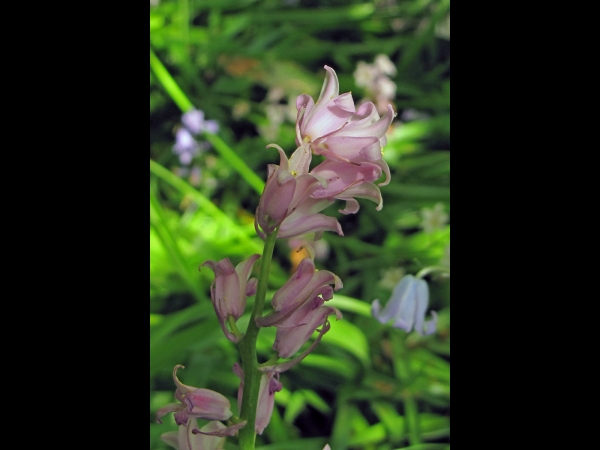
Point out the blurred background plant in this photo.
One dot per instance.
(242, 64)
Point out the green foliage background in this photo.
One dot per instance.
(366, 386)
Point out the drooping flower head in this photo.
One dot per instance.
(407, 307)
(286, 200)
(350, 139)
(304, 286)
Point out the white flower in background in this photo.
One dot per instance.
(434, 219)
(385, 65)
(375, 79)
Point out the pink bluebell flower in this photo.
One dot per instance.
(195, 403)
(294, 331)
(325, 116)
(345, 181)
(303, 287)
(269, 385)
(286, 201)
(229, 289)
(407, 307)
(334, 128)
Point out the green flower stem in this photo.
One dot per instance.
(402, 371)
(173, 89)
(247, 347)
(427, 270)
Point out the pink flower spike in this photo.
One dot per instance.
(230, 288)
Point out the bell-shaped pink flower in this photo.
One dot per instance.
(304, 286)
(269, 384)
(195, 403)
(229, 289)
(294, 331)
(286, 201)
(328, 114)
(345, 181)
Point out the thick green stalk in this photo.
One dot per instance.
(402, 371)
(247, 347)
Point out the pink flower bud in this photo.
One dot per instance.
(230, 288)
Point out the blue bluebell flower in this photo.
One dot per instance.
(194, 121)
(406, 309)
(185, 146)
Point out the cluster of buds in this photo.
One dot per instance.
(351, 140)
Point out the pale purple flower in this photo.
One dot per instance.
(269, 384)
(194, 121)
(286, 201)
(407, 307)
(229, 289)
(185, 146)
(211, 126)
(195, 403)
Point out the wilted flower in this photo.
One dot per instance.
(230, 288)
(269, 384)
(195, 403)
(407, 307)
(185, 439)
(185, 146)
